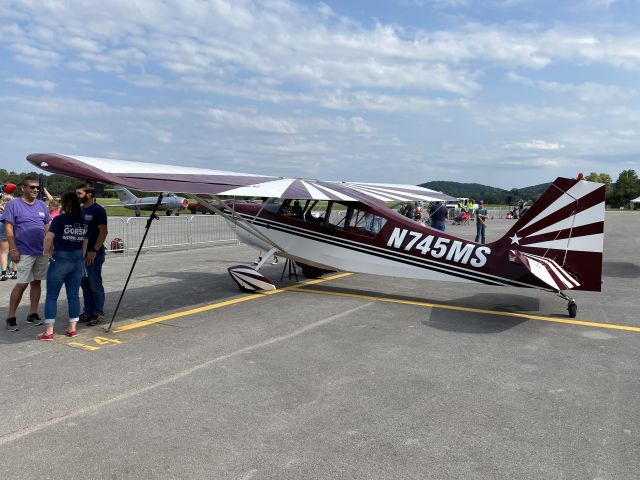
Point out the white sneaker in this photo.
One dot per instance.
(275, 261)
(257, 261)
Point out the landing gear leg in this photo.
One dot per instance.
(572, 306)
(266, 257)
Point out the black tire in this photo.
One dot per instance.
(573, 310)
(137, 214)
(193, 211)
(168, 213)
(311, 272)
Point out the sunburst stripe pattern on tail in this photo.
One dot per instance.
(571, 219)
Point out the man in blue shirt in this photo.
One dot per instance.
(26, 221)
(438, 215)
(92, 290)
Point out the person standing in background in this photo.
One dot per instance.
(438, 215)
(26, 220)
(63, 245)
(481, 217)
(92, 289)
(54, 204)
(4, 244)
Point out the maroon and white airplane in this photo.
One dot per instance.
(557, 246)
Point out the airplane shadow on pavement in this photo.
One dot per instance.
(189, 289)
(621, 270)
(459, 320)
(472, 322)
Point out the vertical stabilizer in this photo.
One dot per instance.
(124, 195)
(560, 239)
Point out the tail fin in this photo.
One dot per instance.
(560, 239)
(124, 194)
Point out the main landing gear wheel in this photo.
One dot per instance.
(168, 213)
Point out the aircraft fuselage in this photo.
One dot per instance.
(380, 241)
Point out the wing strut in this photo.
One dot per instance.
(235, 220)
(151, 218)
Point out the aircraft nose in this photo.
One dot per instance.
(185, 202)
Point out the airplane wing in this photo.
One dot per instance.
(152, 177)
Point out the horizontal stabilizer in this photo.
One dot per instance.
(545, 269)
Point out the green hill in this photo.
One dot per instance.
(491, 195)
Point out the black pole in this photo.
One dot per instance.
(151, 218)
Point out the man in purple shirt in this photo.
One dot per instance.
(26, 221)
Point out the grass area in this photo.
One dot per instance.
(114, 208)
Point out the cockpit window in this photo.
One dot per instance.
(341, 216)
(362, 221)
(272, 205)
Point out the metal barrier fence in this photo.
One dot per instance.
(169, 232)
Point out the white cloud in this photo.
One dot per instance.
(30, 82)
(535, 145)
(591, 92)
(223, 118)
(34, 56)
(243, 121)
(540, 162)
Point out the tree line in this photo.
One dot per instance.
(619, 193)
(55, 184)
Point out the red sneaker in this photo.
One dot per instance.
(45, 336)
(71, 333)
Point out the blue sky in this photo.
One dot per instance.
(507, 93)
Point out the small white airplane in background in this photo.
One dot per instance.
(170, 202)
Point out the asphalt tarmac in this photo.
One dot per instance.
(355, 377)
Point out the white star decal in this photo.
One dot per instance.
(515, 239)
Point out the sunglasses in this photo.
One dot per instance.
(32, 187)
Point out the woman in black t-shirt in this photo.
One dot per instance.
(64, 244)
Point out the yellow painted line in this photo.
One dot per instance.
(468, 309)
(82, 345)
(225, 303)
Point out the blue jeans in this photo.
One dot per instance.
(92, 289)
(67, 271)
(480, 227)
(438, 226)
